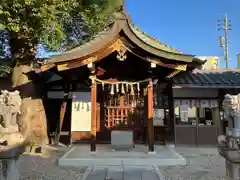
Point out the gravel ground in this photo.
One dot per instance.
(202, 164)
(44, 167)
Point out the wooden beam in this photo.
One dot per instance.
(116, 45)
(173, 66)
(174, 73)
(46, 67)
(93, 115)
(62, 112)
(181, 67)
(150, 117)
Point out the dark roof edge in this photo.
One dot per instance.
(199, 61)
(216, 86)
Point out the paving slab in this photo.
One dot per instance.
(97, 174)
(114, 175)
(132, 174)
(122, 173)
(149, 175)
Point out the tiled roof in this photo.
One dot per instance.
(151, 41)
(209, 78)
(82, 50)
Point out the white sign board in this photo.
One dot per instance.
(184, 113)
(81, 111)
(158, 116)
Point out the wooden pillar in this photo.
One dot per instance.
(150, 117)
(145, 93)
(171, 120)
(62, 112)
(93, 115)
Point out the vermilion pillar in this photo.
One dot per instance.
(93, 115)
(150, 116)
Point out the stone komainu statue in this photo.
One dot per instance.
(10, 105)
(231, 106)
(21, 118)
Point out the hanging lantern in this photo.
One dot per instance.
(132, 90)
(122, 89)
(112, 90)
(117, 87)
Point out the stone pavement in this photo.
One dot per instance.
(202, 164)
(122, 173)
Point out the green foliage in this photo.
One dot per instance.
(38, 20)
(97, 18)
(90, 18)
(56, 24)
(5, 68)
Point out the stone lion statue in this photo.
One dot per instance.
(10, 105)
(231, 104)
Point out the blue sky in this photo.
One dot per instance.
(189, 25)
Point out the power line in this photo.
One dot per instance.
(224, 25)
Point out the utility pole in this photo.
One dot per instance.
(226, 26)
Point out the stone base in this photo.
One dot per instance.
(232, 170)
(152, 152)
(80, 156)
(93, 152)
(9, 170)
(170, 144)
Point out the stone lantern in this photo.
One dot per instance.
(229, 145)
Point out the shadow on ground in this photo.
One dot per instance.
(44, 166)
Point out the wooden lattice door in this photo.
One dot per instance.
(117, 109)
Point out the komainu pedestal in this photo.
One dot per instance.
(12, 143)
(229, 145)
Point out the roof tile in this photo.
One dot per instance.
(209, 78)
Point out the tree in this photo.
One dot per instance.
(55, 24)
(90, 18)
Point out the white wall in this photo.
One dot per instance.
(213, 62)
(195, 92)
(81, 111)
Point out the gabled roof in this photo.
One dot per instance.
(138, 38)
(209, 79)
(152, 41)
